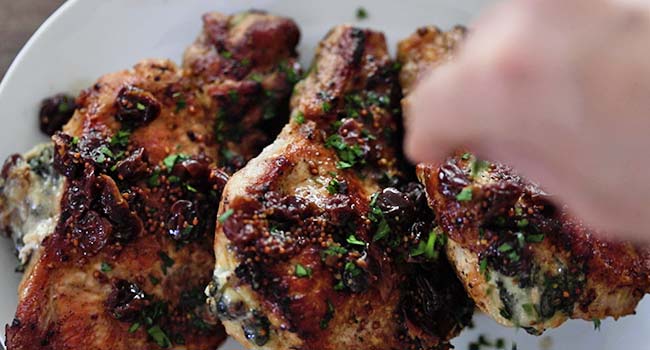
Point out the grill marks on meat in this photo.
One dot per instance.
(132, 250)
(524, 261)
(310, 243)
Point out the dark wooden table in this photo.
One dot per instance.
(18, 21)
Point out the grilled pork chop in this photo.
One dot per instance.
(321, 242)
(525, 261)
(120, 243)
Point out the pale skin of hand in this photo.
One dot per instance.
(560, 91)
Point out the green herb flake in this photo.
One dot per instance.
(299, 118)
(324, 323)
(134, 327)
(335, 250)
(105, 267)
(429, 248)
(121, 138)
(226, 54)
(75, 141)
(352, 239)
(339, 286)
(465, 194)
(537, 238)
(173, 159)
(226, 214)
(327, 107)
(529, 309)
(154, 179)
(154, 280)
(362, 13)
(302, 271)
(383, 230)
(234, 96)
(63, 107)
(334, 186)
(483, 269)
(159, 336)
(466, 156)
(256, 77)
(505, 247)
(167, 262)
(191, 188)
(343, 165)
(522, 223)
(477, 167)
(597, 324)
(140, 106)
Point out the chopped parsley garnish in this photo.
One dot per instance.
(190, 188)
(328, 315)
(349, 155)
(483, 343)
(537, 238)
(154, 280)
(477, 167)
(159, 336)
(522, 223)
(529, 309)
(362, 13)
(256, 77)
(382, 230)
(335, 250)
(134, 327)
(327, 107)
(292, 75)
(334, 186)
(226, 214)
(352, 239)
(173, 159)
(121, 138)
(466, 156)
(483, 269)
(377, 216)
(180, 101)
(302, 271)
(105, 267)
(597, 324)
(226, 54)
(465, 194)
(429, 248)
(154, 179)
(140, 106)
(299, 118)
(167, 262)
(75, 141)
(234, 96)
(343, 165)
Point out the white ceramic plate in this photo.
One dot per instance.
(87, 38)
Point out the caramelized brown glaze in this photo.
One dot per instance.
(132, 252)
(317, 239)
(525, 261)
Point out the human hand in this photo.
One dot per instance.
(559, 90)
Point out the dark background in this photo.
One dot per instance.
(18, 21)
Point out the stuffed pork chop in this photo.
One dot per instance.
(525, 261)
(116, 219)
(321, 241)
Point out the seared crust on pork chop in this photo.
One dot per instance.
(126, 264)
(525, 261)
(322, 243)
